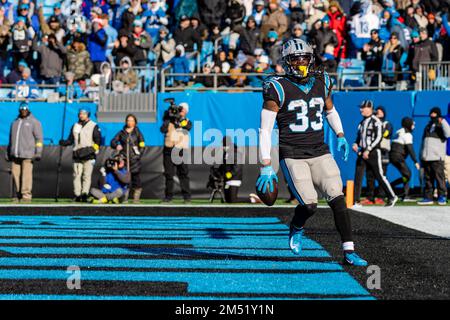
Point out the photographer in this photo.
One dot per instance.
(175, 128)
(130, 142)
(113, 182)
(85, 137)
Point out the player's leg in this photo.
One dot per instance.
(298, 177)
(327, 177)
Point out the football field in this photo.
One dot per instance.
(212, 253)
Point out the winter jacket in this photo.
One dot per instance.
(338, 23)
(249, 40)
(164, 50)
(52, 59)
(25, 138)
(145, 44)
(45, 28)
(320, 38)
(21, 39)
(136, 141)
(120, 52)
(5, 34)
(127, 76)
(393, 61)
(79, 63)
(97, 45)
(115, 180)
(424, 51)
(128, 17)
(434, 141)
(179, 64)
(187, 38)
(374, 56)
(276, 20)
(212, 11)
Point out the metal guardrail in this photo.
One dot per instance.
(46, 93)
(433, 76)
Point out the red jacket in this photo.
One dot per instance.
(338, 23)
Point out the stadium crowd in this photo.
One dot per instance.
(76, 42)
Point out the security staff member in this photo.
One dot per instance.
(402, 146)
(25, 146)
(85, 137)
(367, 145)
(385, 147)
(175, 127)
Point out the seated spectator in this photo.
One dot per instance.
(106, 72)
(126, 78)
(179, 64)
(26, 87)
(52, 56)
(410, 20)
(21, 42)
(113, 182)
(92, 90)
(420, 17)
(274, 19)
(222, 62)
(123, 48)
(205, 80)
(165, 47)
(297, 32)
(78, 60)
(143, 43)
(16, 73)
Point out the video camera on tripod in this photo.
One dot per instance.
(173, 112)
(216, 183)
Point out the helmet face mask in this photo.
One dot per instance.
(297, 58)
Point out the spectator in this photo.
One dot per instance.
(198, 26)
(31, 20)
(394, 57)
(206, 80)
(328, 60)
(165, 47)
(297, 32)
(425, 50)
(97, 44)
(78, 60)
(321, 35)
(420, 17)
(361, 23)
(52, 56)
(259, 12)
(26, 87)
(338, 23)
(113, 182)
(72, 89)
(132, 13)
(21, 42)
(410, 20)
(52, 26)
(372, 52)
(187, 37)
(111, 34)
(92, 90)
(123, 48)
(16, 73)
(274, 19)
(57, 12)
(179, 64)
(211, 11)
(25, 146)
(85, 137)
(297, 15)
(155, 19)
(5, 35)
(432, 25)
(273, 46)
(130, 143)
(433, 156)
(249, 39)
(235, 13)
(315, 10)
(143, 43)
(126, 77)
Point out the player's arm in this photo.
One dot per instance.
(268, 117)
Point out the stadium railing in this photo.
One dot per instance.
(434, 76)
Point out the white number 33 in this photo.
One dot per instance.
(304, 122)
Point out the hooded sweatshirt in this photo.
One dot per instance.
(435, 140)
(26, 138)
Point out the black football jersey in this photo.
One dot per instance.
(300, 118)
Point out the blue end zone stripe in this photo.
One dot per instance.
(290, 182)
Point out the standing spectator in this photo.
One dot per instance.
(338, 23)
(394, 57)
(249, 39)
(5, 35)
(16, 73)
(212, 11)
(315, 10)
(57, 12)
(26, 87)
(78, 60)
(155, 19)
(297, 15)
(123, 48)
(433, 157)
(410, 20)
(372, 54)
(272, 46)
(52, 57)
(323, 35)
(432, 25)
(165, 47)
(259, 12)
(297, 32)
(111, 34)
(187, 37)
(424, 51)
(132, 13)
(402, 146)
(130, 143)
(85, 137)
(31, 20)
(367, 146)
(179, 64)
(53, 25)
(97, 44)
(21, 42)
(25, 146)
(143, 43)
(274, 19)
(198, 26)
(175, 127)
(361, 23)
(420, 17)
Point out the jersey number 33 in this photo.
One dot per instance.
(309, 115)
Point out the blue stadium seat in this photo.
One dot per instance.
(351, 72)
(442, 83)
(4, 93)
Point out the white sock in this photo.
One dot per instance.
(348, 246)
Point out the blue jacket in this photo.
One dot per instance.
(113, 182)
(179, 65)
(97, 43)
(26, 89)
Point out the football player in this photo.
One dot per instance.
(299, 101)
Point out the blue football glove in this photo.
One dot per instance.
(266, 177)
(342, 143)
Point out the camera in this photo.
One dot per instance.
(173, 113)
(110, 163)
